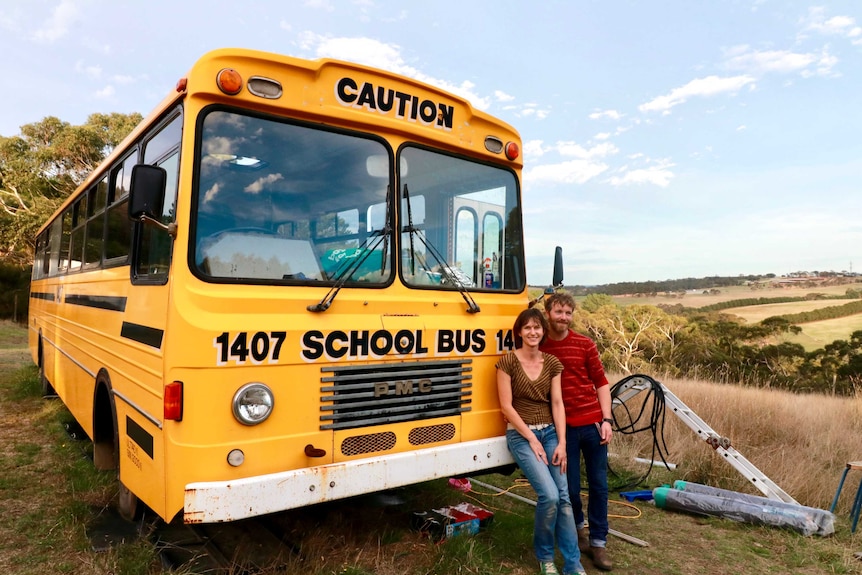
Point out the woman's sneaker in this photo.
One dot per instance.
(548, 568)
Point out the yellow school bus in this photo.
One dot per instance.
(288, 285)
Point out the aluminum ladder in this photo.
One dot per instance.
(722, 445)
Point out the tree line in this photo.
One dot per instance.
(679, 286)
(683, 342)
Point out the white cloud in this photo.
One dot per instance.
(93, 72)
(319, 5)
(123, 79)
(386, 56)
(587, 163)
(835, 26)
(503, 96)
(105, 93)
(529, 110)
(261, 183)
(63, 16)
(659, 175)
(571, 172)
(760, 62)
(533, 149)
(611, 114)
(599, 151)
(699, 87)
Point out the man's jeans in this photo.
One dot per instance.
(586, 440)
(554, 517)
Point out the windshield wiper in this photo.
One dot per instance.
(447, 270)
(345, 273)
(348, 270)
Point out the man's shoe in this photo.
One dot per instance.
(601, 559)
(548, 568)
(583, 540)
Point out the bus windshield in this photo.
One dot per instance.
(277, 202)
(284, 203)
(454, 223)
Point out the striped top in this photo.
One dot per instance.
(583, 374)
(531, 398)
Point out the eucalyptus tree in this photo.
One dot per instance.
(42, 165)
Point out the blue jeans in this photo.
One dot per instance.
(587, 441)
(554, 517)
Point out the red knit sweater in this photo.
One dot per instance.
(582, 375)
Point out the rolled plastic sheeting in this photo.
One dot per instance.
(746, 509)
(824, 520)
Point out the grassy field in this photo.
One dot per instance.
(50, 495)
(756, 313)
(814, 335)
(819, 333)
(700, 299)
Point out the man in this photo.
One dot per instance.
(589, 423)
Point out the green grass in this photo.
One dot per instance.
(817, 334)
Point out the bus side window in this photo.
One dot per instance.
(153, 256)
(118, 240)
(153, 245)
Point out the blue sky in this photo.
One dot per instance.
(662, 139)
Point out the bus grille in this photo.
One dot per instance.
(431, 434)
(368, 443)
(364, 395)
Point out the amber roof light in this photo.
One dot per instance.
(229, 81)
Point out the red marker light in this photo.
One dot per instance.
(512, 150)
(174, 401)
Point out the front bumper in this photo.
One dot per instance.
(217, 501)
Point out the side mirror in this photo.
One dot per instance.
(557, 280)
(147, 192)
(558, 267)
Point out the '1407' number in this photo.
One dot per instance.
(505, 341)
(260, 347)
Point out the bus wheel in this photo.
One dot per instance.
(44, 384)
(127, 503)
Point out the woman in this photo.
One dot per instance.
(528, 383)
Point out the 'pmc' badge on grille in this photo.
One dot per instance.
(403, 387)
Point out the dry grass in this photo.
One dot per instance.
(756, 313)
(697, 298)
(801, 442)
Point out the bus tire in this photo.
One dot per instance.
(128, 505)
(46, 388)
(106, 446)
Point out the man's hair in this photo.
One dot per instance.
(559, 298)
(525, 317)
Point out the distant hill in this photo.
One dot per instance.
(798, 279)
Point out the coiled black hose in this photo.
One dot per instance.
(653, 422)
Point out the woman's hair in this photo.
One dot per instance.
(525, 317)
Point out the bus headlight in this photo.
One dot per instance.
(252, 403)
